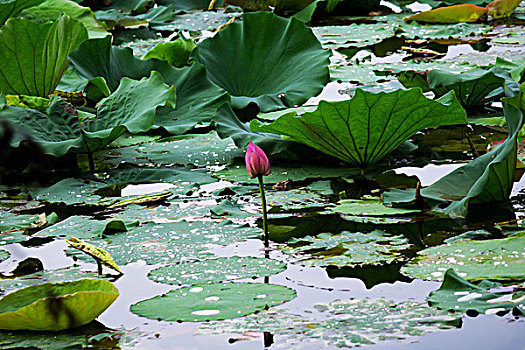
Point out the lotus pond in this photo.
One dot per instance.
(395, 199)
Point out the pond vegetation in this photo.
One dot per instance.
(138, 140)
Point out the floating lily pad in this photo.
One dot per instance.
(293, 199)
(213, 301)
(368, 207)
(56, 306)
(497, 259)
(238, 173)
(348, 248)
(84, 227)
(10, 221)
(458, 295)
(170, 242)
(216, 270)
(349, 323)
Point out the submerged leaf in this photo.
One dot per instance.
(367, 127)
(56, 306)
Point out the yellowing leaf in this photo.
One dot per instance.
(100, 255)
(451, 14)
(502, 8)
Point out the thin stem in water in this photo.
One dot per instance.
(265, 219)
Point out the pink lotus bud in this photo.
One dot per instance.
(257, 163)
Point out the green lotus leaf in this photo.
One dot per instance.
(131, 108)
(12, 8)
(216, 270)
(475, 89)
(56, 306)
(217, 301)
(458, 295)
(294, 67)
(497, 259)
(50, 10)
(197, 98)
(175, 52)
(343, 324)
(369, 126)
(34, 55)
(486, 179)
(348, 248)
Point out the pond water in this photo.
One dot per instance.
(357, 252)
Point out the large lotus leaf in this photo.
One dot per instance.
(56, 306)
(98, 58)
(217, 301)
(458, 295)
(10, 221)
(367, 127)
(34, 55)
(12, 8)
(197, 98)
(348, 248)
(216, 270)
(50, 10)
(238, 173)
(131, 108)
(169, 242)
(499, 259)
(344, 324)
(474, 89)
(265, 56)
(486, 179)
(451, 14)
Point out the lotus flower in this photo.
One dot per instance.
(257, 163)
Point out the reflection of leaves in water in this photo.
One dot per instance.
(94, 334)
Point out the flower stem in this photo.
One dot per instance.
(265, 219)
